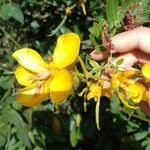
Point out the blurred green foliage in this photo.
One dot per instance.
(28, 23)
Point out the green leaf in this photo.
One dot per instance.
(145, 17)
(96, 30)
(115, 103)
(12, 10)
(28, 115)
(94, 64)
(23, 135)
(2, 141)
(16, 105)
(119, 62)
(126, 4)
(34, 24)
(12, 116)
(79, 133)
(133, 124)
(140, 113)
(4, 129)
(8, 101)
(144, 3)
(113, 13)
(5, 11)
(73, 134)
(141, 135)
(6, 82)
(15, 118)
(147, 147)
(96, 34)
(64, 30)
(17, 13)
(17, 145)
(93, 40)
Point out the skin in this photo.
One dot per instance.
(134, 43)
(134, 47)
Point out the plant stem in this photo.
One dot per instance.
(89, 75)
(98, 78)
(59, 26)
(7, 92)
(10, 37)
(135, 116)
(83, 66)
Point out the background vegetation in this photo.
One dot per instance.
(28, 23)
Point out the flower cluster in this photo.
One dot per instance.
(129, 85)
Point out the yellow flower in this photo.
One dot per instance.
(146, 71)
(41, 78)
(122, 77)
(132, 94)
(95, 91)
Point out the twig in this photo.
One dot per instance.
(7, 92)
(135, 116)
(83, 66)
(10, 37)
(59, 26)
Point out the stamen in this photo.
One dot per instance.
(43, 75)
(38, 88)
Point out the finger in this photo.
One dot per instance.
(137, 38)
(128, 41)
(142, 57)
(129, 59)
(133, 57)
(99, 55)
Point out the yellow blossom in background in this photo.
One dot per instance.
(146, 74)
(122, 77)
(146, 71)
(129, 91)
(42, 79)
(132, 94)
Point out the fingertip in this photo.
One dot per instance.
(99, 55)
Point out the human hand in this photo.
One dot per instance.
(134, 47)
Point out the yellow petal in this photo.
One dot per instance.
(46, 86)
(115, 83)
(97, 113)
(125, 102)
(129, 73)
(30, 60)
(95, 92)
(146, 71)
(116, 80)
(60, 86)
(30, 96)
(90, 95)
(23, 76)
(66, 50)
